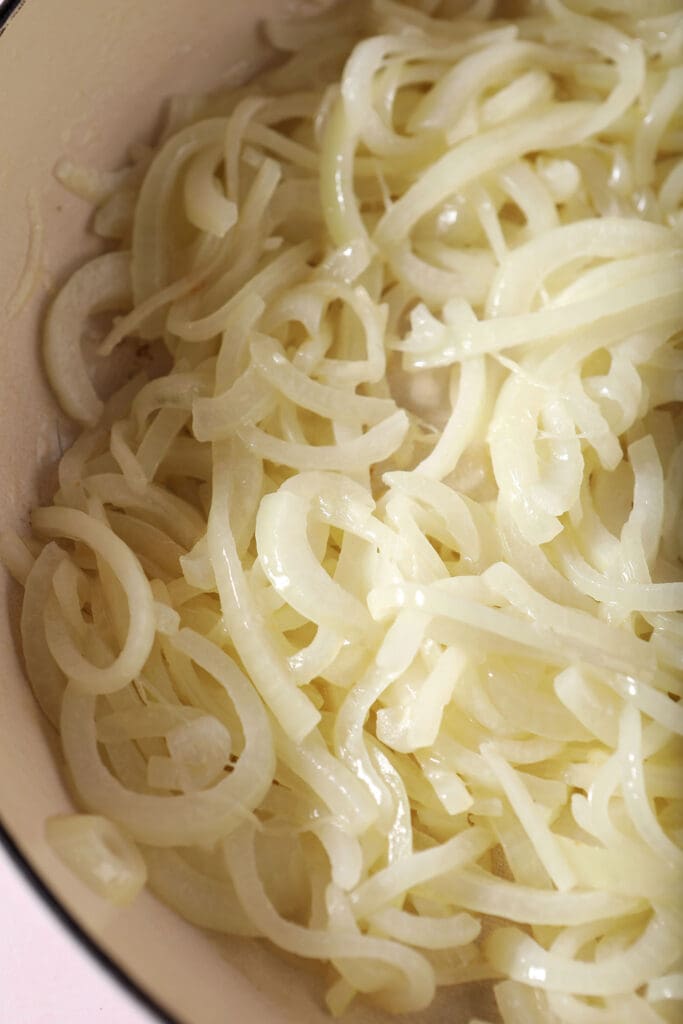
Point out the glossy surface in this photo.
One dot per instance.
(86, 80)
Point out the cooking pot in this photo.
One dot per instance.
(84, 79)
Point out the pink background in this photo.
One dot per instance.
(46, 977)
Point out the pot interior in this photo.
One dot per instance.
(84, 81)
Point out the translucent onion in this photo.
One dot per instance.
(523, 959)
(100, 854)
(76, 525)
(412, 989)
(178, 820)
(102, 285)
(359, 609)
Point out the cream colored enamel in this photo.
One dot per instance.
(86, 78)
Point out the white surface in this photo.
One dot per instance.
(45, 976)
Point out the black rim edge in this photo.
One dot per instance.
(8, 10)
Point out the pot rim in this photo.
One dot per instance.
(9, 9)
